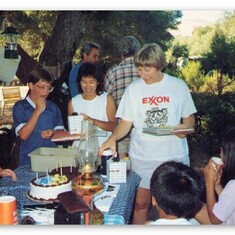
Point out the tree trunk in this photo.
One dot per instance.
(60, 48)
(66, 36)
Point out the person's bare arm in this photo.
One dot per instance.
(70, 108)
(120, 131)
(188, 122)
(28, 128)
(111, 111)
(8, 172)
(202, 216)
(210, 178)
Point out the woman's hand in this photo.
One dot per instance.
(8, 172)
(86, 117)
(211, 173)
(110, 143)
(182, 135)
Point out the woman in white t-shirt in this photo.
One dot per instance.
(156, 100)
(93, 103)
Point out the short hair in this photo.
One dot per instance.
(87, 47)
(150, 55)
(93, 70)
(39, 74)
(128, 46)
(177, 189)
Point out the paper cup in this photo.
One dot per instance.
(51, 219)
(8, 210)
(217, 163)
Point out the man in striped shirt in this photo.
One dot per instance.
(120, 76)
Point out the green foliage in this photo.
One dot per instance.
(213, 116)
(34, 28)
(172, 72)
(214, 47)
(109, 27)
(180, 50)
(217, 83)
(228, 24)
(220, 51)
(193, 74)
(106, 28)
(199, 43)
(177, 48)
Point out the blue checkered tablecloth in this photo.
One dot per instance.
(113, 220)
(121, 207)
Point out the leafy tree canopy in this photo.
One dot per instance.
(104, 27)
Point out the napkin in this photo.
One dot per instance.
(104, 200)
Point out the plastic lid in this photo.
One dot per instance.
(107, 152)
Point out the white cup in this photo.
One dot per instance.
(217, 163)
(50, 219)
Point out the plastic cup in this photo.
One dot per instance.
(217, 163)
(8, 210)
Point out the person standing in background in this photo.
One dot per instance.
(120, 76)
(89, 53)
(155, 100)
(35, 118)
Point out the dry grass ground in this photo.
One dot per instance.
(6, 119)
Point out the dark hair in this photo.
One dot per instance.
(228, 147)
(87, 48)
(93, 70)
(39, 74)
(177, 189)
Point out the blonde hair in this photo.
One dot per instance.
(150, 55)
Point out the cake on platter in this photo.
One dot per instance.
(47, 188)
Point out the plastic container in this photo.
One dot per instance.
(51, 158)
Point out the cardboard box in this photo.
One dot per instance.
(116, 171)
(50, 158)
(74, 124)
